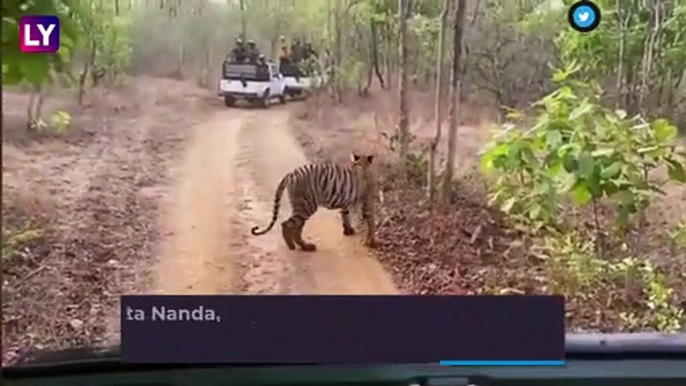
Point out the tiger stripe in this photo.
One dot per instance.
(327, 185)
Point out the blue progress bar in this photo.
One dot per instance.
(502, 363)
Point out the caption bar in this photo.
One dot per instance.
(342, 329)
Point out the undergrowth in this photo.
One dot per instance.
(573, 180)
(16, 238)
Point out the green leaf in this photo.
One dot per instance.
(568, 183)
(676, 170)
(495, 197)
(581, 193)
(10, 31)
(64, 53)
(36, 68)
(514, 151)
(513, 114)
(594, 183)
(569, 163)
(12, 74)
(648, 149)
(499, 161)
(621, 114)
(508, 205)
(554, 138)
(66, 42)
(612, 171)
(586, 164)
(559, 76)
(528, 155)
(606, 152)
(584, 109)
(663, 130)
(625, 198)
(610, 188)
(535, 211)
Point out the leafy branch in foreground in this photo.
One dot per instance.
(36, 69)
(575, 147)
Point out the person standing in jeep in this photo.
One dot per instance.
(284, 52)
(308, 63)
(238, 53)
(296, 51)
(252, 53)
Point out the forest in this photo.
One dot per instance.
(516, 155)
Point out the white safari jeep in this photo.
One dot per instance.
(253, 82)
(297, 84)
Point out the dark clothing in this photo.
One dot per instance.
(252, 54)
(296, 53)
(310, 52)
(239, 54)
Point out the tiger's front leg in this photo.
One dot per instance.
(369, 218)
(348, 229)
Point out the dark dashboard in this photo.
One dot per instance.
(592, 359)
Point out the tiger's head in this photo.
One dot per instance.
(363, 165)
(361, 161)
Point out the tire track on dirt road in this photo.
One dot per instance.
(194, 255)
(226, 186)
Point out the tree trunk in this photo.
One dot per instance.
(403, 118)
(338, 54)
(649, 55)
(621, 59)
(87, 67)
(431, 178)
(455, 85)
(30, 109)
(35, 108)
(387, 65)
(375, 54)
(243, 26)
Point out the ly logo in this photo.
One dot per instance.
(39, 34)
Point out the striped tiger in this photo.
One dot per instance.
(331, 186)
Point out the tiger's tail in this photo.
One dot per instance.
(277, 205)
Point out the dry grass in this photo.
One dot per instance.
(76, 216)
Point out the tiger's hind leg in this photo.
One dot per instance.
(293, 233)
(298, 236)
(303, 206)
(287, 233)
(348, 229)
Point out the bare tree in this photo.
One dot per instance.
(624, 16)
(403, 118)
(431, 178)
(243, 27)
(455, 85)
(375, 53)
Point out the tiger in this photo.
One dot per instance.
(328, 185)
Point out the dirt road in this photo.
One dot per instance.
(224, 186)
